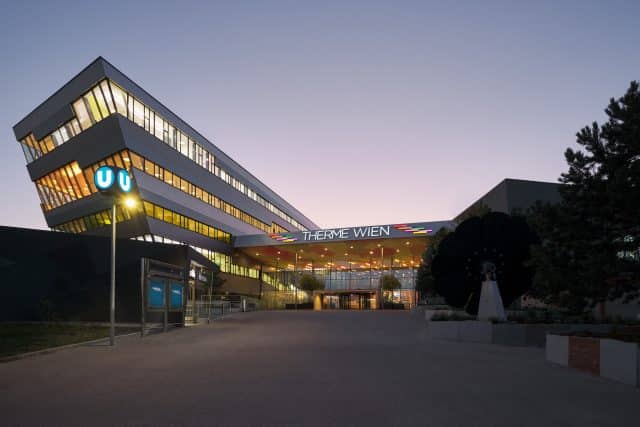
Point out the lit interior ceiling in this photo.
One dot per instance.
(341, 255)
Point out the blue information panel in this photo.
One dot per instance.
(176, 295)
(156, 294)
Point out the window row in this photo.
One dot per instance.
(179, 220)
(70, 183)
(153, 123)
(93, 221)
(34, 149)
(225, 262)
(127, 159)
(182, 184)
(107, 98)
(62, 186)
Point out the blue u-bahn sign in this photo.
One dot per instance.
(112, 180)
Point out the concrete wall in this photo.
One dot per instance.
(608, 358)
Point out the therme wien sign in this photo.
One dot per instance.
(346, 233)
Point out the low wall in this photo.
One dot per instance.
(608, 358)
(511, 334)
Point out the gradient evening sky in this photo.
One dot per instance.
(355, 112)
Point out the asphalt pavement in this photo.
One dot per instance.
(333, 368)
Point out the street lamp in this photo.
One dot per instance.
(115, 183)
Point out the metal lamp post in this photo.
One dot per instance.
(115, 183)
(112, 298)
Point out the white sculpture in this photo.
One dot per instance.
(490, 306)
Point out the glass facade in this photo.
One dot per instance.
(153, 169)
(102, 218)
(225, 262)
(93, 221)
(182, 221)
(62, 186)
(107, 98)
(34, 149)
(70, 183)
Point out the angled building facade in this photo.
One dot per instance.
(189, 190)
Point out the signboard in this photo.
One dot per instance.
(352, 233)
(156, 294)
(112, 180)
(343, 234)
(347, 233)
(175, 300)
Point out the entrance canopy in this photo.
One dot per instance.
(350, 248)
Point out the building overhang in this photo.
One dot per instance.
(345, 248)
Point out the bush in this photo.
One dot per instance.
(299, 306)
(389, 282)
(310, 283)
(446, 317)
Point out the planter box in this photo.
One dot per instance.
(430, 312)
(473, 331)
(557, 349)
(620, 361)
(511, 334)
(608, 358)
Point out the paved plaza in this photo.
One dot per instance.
(307, 368)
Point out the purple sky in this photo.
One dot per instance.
(355, 112)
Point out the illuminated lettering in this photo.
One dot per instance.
(346, 233)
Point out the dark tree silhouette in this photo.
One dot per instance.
(590, 249)
(496, 237)
(425, 283)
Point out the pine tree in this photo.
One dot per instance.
(589, 248)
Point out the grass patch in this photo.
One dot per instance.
(17, 338)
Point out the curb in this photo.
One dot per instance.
(58, 348)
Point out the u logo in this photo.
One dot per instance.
(104, 178)
(124, 180)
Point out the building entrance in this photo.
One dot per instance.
(346, 300)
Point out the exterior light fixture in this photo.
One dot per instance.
(130, 202)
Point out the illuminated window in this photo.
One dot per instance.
(82, 114)
(120, 98)
(108, 98)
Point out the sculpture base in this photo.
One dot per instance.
(490, 306)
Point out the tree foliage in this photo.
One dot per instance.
(425, 283)
(389, 282)
(497, 238)
(589, 242)
(213, 279)
(310, 283)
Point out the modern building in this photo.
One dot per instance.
(513, 196)
(192, 193)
